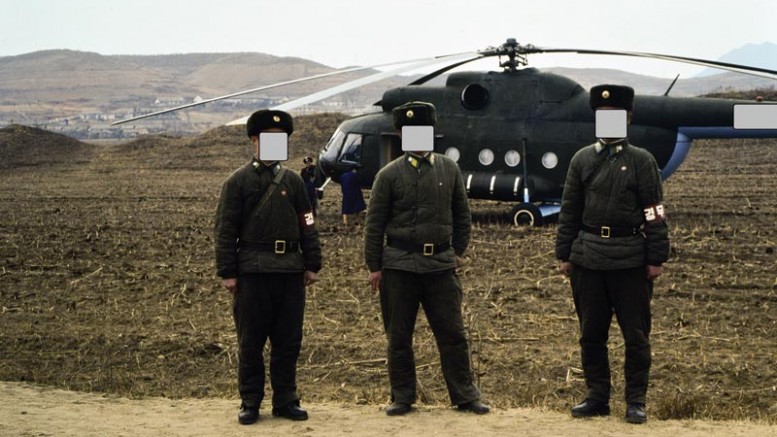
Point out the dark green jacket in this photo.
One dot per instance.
(427, 204)
(603, 191)
(241, 225)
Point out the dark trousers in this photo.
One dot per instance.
(440, 295)
(269, 305)
(627, 293)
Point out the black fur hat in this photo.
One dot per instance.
(269, 118)
(414, 114)
(617, 96)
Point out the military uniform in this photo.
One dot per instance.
(308, 174)
(419, 204)
(267, 243)
(611, 226)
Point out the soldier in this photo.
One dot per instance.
(419, 203)
(612, 241)
(267, 251)
(308, 174)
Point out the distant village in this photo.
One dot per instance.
(98, 125)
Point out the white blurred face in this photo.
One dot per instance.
(612, 122)
(271, 145)
(417, 139)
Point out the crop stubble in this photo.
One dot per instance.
(107, 284)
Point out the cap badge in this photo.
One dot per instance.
(410, 113)
(605, 94)
(276, 119)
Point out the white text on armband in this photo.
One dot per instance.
(654, 213)
(306, 219)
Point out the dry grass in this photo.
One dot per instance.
(107, 284)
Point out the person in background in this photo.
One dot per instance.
(308, 174)
(353, 199)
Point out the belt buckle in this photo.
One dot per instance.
(428, 249)
(280, 247)
(605, 232)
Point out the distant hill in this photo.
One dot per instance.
(81, 93)
(24, 146)
(29, 146)
(762, 55)
(66, 75)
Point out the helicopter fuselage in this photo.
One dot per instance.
(514, 133)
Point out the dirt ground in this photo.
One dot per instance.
(40, 411)
(107, 288)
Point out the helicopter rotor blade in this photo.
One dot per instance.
(737, 68)
(288, 82)
(442, 70)
(436, 73)
(239, 93)
(361, 82)
(511, 48)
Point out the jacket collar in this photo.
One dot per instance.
(415, 160)
(261, 166)
(614, 147)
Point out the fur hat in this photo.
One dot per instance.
(269, 118)
(414, 114)
(617, 96)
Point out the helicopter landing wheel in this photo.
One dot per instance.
(526, 214)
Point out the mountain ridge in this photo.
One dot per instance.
(763, 55)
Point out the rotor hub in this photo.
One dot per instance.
(514, 51)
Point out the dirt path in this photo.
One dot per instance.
(29, 410)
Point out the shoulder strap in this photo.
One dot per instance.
(271, 189)
(594, 170)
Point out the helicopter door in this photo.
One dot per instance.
(391, 148)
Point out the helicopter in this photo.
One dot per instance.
(513, 132)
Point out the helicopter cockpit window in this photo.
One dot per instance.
(333, 146)
(352, 150)
(486, 157)
(453, 153)
(512, 158)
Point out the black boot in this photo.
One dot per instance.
(635, 413)
(476, 407)
(397, 409)
(591, 408)
(291, 411)
(248, 415)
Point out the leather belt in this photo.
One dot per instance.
(611, 231)
(278, 246)
(426, 249)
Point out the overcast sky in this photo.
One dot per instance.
(365, 32)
